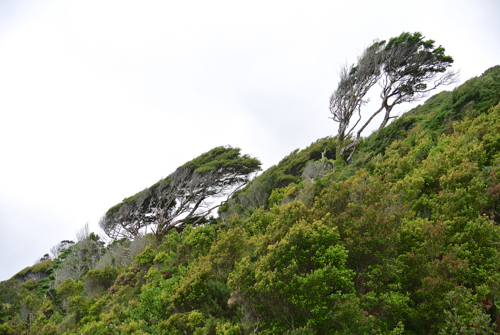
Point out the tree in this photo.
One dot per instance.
(407, 68)
(297, 278)
(80, 257)
(187, 196)
(59, 248)
(355, 82)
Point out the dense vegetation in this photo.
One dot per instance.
(403, 240)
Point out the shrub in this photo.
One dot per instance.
(99, 280)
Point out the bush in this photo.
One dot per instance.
(99, 280)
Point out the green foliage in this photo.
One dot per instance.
(155, 300)
(285, 194)
(30, 284)
(463, 315)
(199, 239)
(145, 257)
(6, 329)
(227, 329)
(289, 170)
(182, 323)
(99, 280)
(224, 158)
(39, 271)
(300, 276)
(435, 117)
(404, 241)
(226, 250)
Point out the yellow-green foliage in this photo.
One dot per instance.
(99, 280)
(44, 266)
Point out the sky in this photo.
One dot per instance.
(101, 99)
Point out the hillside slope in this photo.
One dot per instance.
(402, 241)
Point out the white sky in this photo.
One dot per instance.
(100, 99)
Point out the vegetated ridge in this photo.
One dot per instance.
(402, 240)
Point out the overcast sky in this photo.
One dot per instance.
(100, 99)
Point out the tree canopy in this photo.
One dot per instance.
(188, 195)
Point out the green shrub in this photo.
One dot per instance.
(99, 280)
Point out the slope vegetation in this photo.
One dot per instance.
(404, 240)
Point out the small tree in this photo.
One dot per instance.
(79, 257)
(188, 195)
(60, 247)
(407, 68)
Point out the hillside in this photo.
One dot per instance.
(403, 240)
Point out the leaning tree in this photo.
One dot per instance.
(406, 68)
(187, 196)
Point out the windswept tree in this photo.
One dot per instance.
(406, 68)
(187, 196)
(355, 82)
